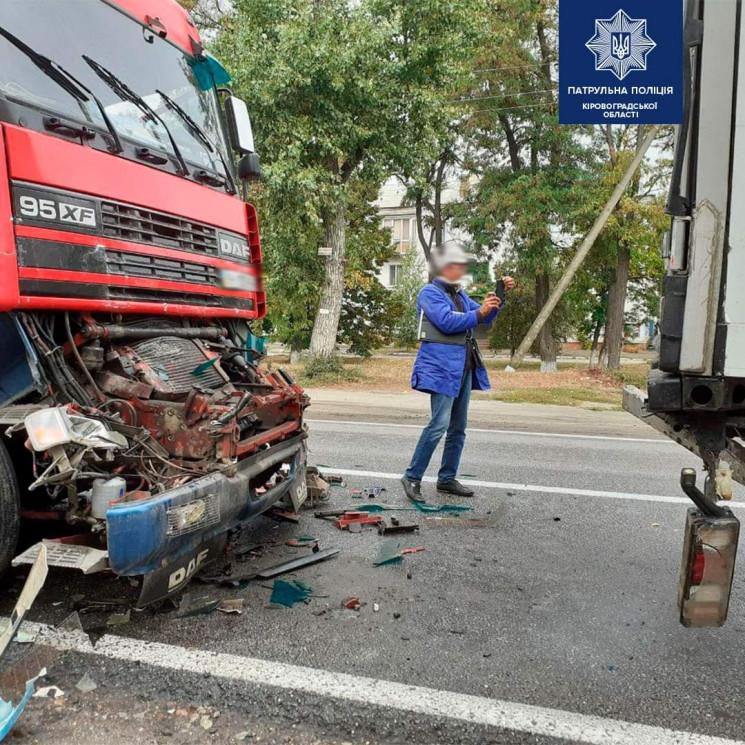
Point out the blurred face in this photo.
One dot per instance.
(453, 272)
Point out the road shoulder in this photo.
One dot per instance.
(413, 408)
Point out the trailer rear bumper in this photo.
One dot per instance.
(170, 532)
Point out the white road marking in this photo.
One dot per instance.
(533, 488)
(658, 440)
(503, 715)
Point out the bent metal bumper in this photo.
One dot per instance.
(164, 531)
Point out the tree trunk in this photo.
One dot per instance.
(614, 325)
(326, 326)
(439, 225)
(595, 342)
(546, 343)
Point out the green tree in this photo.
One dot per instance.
(318, 81)
(369, 314)
(625, 262)
(432, 51)
(525, 161)
(411, 279)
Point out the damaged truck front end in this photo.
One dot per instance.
(141, 426)
(149, 438)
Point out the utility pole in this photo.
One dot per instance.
(581, 254)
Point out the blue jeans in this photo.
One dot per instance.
(448, 415)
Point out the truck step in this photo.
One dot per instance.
(67, 556)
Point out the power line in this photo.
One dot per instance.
(512, 108)
(504, 95)
(515, 67)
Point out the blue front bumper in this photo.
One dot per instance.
(155, 533)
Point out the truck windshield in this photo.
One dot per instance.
(69, 33)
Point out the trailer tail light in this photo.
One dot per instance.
(708, 565)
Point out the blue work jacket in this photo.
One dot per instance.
(439, 368)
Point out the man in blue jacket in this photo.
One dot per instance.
(447, 367)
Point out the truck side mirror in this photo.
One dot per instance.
(239, 125)
(249, 167)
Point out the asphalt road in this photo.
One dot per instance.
(549, 619)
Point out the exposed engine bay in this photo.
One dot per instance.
(125, 408)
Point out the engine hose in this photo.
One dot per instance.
(55, 357)
(115, 333)
(76, 353)
(81, 395)
(45, 358)
(232, 413)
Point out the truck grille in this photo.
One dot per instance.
(177, 358)
(154, 267)
(129, 223)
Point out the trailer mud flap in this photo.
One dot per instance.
(175, 576)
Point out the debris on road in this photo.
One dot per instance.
(49, 692)
(352, 603)
(383, 508)
(303, 541)
(119, 619)
(34, 582)
(25, 637)
(241, 580)
(252, 552)
(284, 515)
(369, 492)
(397, 526)
(354, 521)
(427, 507)
(326, 514)
(290, 593)
(234, 605)
(86, 684)
(388, 553)
(376, 607)
(319, 489)
(302, 561)
(9, 714)
(191, 606)
(334, 479)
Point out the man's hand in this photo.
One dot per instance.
(491, 304)
(509, 283)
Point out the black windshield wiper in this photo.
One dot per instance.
(66, 80)
(127, 94)
(199, 133)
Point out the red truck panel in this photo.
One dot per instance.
(48, 160)
(35, 159)
(8, 263)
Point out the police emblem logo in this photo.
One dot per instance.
(621, 44)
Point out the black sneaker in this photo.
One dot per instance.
(455, 488)
(413, 490)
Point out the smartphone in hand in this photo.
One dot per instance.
(499, 290)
